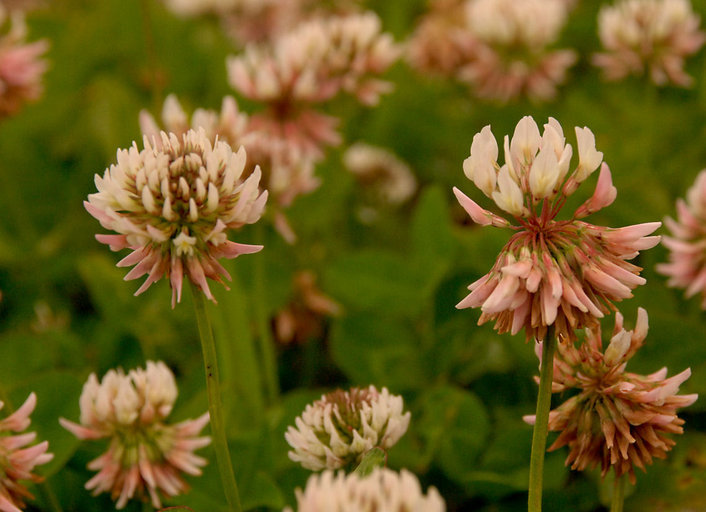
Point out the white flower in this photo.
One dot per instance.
(338, 429)
(383, 490)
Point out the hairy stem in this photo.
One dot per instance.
(215, 406)
(541, 427)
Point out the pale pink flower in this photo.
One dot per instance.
(687, 245)
(564, 273)
(618, 419)
(648, 36)
(17, 460)
(508, 44)
(145, 455)
(172, 204)
(337, 430)
(384, 490)
(21, 66)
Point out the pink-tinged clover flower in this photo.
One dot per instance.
(384, 490)
(338, 429)
(508, 44)
(564, 273)
(17, 459)
(618, 419)
(648, 36)
(21, 66)
(172, 204)
(146, 456)
(687, 245)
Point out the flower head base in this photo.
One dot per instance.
(618, 419)
(508, 46)
(172, 203)
(648, 35)
(21, 68)
(337, 430)
(687, 258)
(383, 490)
(564, 273)
(17, 460)
(145, 453)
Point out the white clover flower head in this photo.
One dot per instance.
(564, 273)
(651, 37)
(384, 490)
(17, 458)
(171, 204)
(337, 430)
(145, 453)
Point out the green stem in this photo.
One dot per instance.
(618, 494)
(374, 458)
(49, 496)
(541, 424)
(151, 53)
(264, 335)
(215, 407)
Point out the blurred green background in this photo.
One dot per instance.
(65, 311)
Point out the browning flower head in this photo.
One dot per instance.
(171, 203)
(564, 273)
(17, 460)
(337, 430)
(21, 66)
(687, 257)
(383, 490)
(648, 36)
(146, 455)
(389, 178)
(508, 46)
(618, 419)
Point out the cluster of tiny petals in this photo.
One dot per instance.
(21, 66)
(384, 490)
(17, 459)
(507, 45)
(145, 453)
(316, 61)
(648, 35)
(172, 203)
(687, 245)
(552, 272)
(337, 430)
(618, 419)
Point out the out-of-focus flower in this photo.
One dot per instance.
(384, 490)
(337, 430)
(303, 317)
(564, 273)
(687, 257)
(648, 36)
(21, 66)
(508, 43)
(17, 460)
(619, 419)
(437, 44)
(145, 453)
(172, 203)
(390, 178)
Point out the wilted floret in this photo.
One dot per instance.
(648, 36)
(172, 203)
(17, 460)
(618, 419)
(564, 273)
(383, 490)
(337, 430)
(687, 245)
(146, 455)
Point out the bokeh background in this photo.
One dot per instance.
(396, 271)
